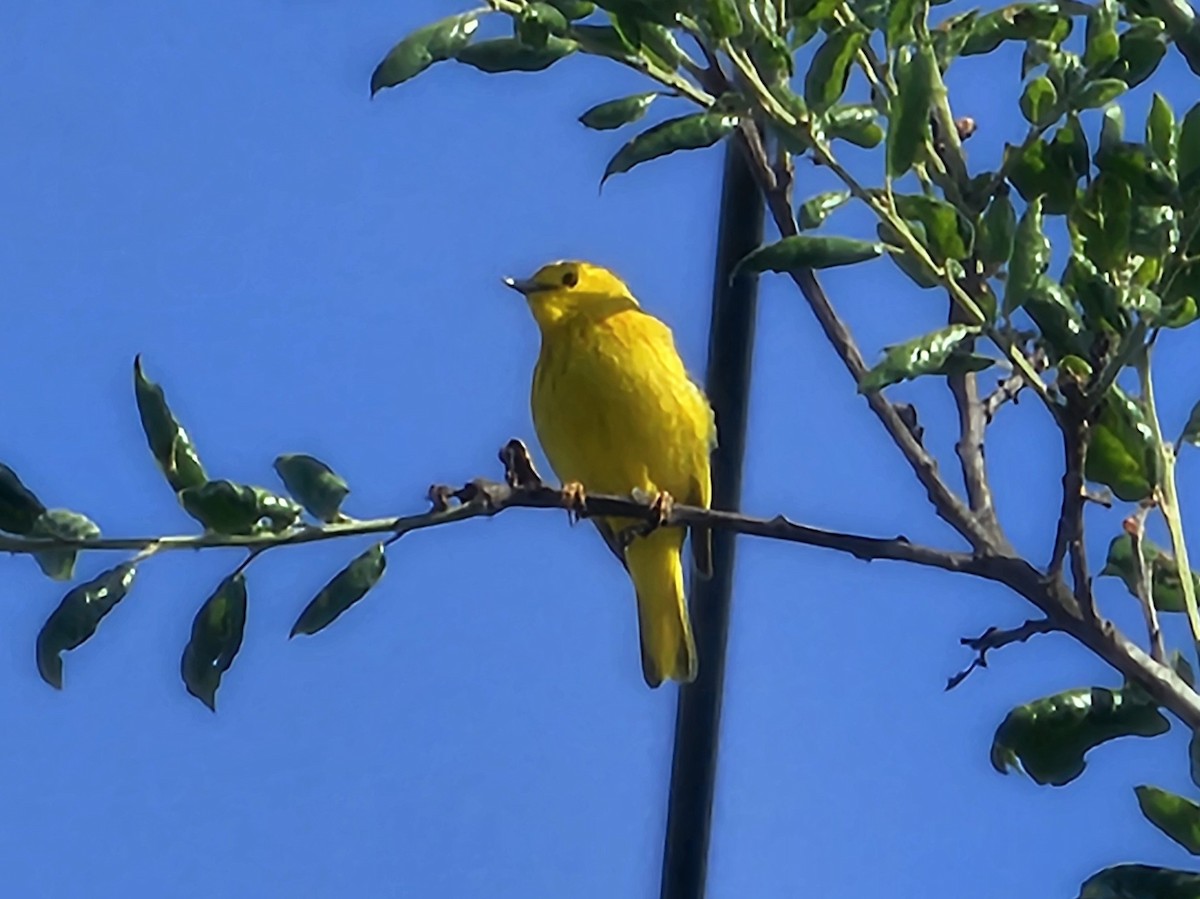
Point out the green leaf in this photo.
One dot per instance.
(951, 35)
(1160, 129)
(855, 123)
(1143, 47)
(720, 19)
(1045, 171)
(1140, 882)
(169, 442)
(1150, 180)
(1059, 322)
(804, 251)
(948, 234)
(1029, 260)
(690, 132)
(930, 354)
(1175, 816)
(900, 22)
(1165, 585)
(1097, 93)
(226, 507)
(314, 484)
(19, 508)
(1101, 42)
(1153, 233)
(62, 524)
(827, 75)
(421, 49)
(507, 54)
(216, 638)
(536, 22)
(1048, 738)
(815, 210)
(574, 9)
(998, 228)
(347, 587)
(616, 113)
(1039, 101)
(1189, 150)
(908, 120)
(1112, 126)
(1121, 455)
(1191, 431)
(1018, 22)
(76, 618)
(1100, 224)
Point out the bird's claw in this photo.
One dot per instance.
(575, 500)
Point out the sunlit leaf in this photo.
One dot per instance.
(62, 524)
(421, 49)
(691, 132)
(807, 251)
(169, 442)
(615, 113)
(1030, 257)
(1048, 738)
(1165, 584)
(908, 124)
(948, 234)
(815, 210)
(1101, 43)
(934, 353)
(1039, 101)
(855, 123)
(227, 507)
(830, 68)
(1122, 454)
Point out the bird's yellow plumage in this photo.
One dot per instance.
(616, 412)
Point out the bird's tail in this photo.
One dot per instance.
(668, 649)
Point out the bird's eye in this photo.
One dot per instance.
(570, 278)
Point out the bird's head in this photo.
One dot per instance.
(562, 288)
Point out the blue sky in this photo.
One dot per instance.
(306, 270)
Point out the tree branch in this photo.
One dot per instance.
(997, 638)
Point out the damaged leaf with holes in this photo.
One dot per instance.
(348, 586)
(938, 353)
(1048, 738)
(217, 632)
(77, 617)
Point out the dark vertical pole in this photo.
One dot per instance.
(698, 719)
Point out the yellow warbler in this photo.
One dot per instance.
(616, 412)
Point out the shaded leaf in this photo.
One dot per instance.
(1143, 47)
(1160, 129)
(1048, 738)
(76, 618)
(1097, 93)
(314, 484)
(830, 68)
(19, 507)
(574, 9)
(1029, 260)
(1041, 172)
(951, 35)
(347, 587)
(168, 441)
(690, 132)
(1018, 22)
(421, 49)
(900, 22)
(1101, 43)
(948, 234)
(999, 227)
(227, 507)
(62, 524)
(1191, 430)
(815, 210)
(615, 113)
(1140, 882)
(929, 354)
(1150, 180)
(216, 638)
(507, 54)
(1189, 150)
(1175, 816)
(807, 251)
(908, 121)
(1165, 584)
(1121, 455)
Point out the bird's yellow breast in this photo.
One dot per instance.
(615, 409)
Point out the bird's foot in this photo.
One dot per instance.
(574, 499)
(660, 503)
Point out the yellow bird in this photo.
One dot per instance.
(616, 412)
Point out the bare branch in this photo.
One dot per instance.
(1135, 527)
(997, 638)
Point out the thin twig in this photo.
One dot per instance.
(1135, 527)
(997, 638)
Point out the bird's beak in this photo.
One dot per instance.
(524, 286)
